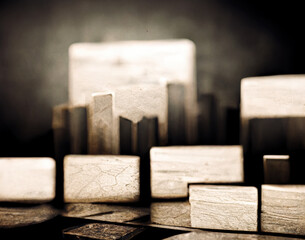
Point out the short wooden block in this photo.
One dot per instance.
(102, 231)
(276, 169)
(171, 213)
(283, 209)
(173, 168)
(97, 67)
(27, 179)
(224, 207)
(101, 178)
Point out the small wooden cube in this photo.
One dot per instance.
(276, 169)
(283, 209)
(101, 178)
(224, 207)
(27, 179)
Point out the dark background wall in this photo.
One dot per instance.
(234, 39)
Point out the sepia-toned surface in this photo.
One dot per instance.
(224, 207)
(27, 179)
(171, 213)
(172, 168)
(101, 178)
(96, 67)
(283, 209)
(276, 169)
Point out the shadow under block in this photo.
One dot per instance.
(100, 124)
(101, 178)
(27, 179)
(173, 168)
(97, 67)
(271, 97)
(283, 209)
(171, 213)
(224, 207)
(102, 231)
(276, 169)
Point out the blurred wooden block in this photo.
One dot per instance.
(224, 207)
(101, 178)
(27, 179)
(100, 124)
(173, 168)
(96, 67)
(276, 169)
(102, 231)
(171, 213)
(78, 129)
(283, 209)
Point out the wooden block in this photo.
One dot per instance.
(127, 143)
(224, 207)
(13, 217)
(96, 67)
(276, 169)
(27, 179)
(101, 178)
(78, 129)
(79, 210)
(171, 213)
(173, 168)
(102, 231)
(283, 209)
(100, 124)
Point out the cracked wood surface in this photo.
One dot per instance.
(101, 178)
(171, 213)
(27, 179)
(283, 209)
(224, 207)
(97, 67)
(173, 168)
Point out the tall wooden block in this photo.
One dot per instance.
(27, 179)
(173, 168)
(276, 169)
(96, 67)
(171, 213)
(100, 124)
(78, 129)
(224, 207)
(283, 209)
(101, 178)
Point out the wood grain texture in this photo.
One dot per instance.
(172, 168)
(27, 179)
(283, 209)
(171, 213)
(101, 178)
(96, 67)
(276, 169)
(102, 231)
(224, 207)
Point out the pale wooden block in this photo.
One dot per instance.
(101, 178)
(224, 207)
(171, 213)
(173, 168)
(27, 179)
(96, 67)
(271, 97)
(276, 169)
(100, 124)
(283, 209)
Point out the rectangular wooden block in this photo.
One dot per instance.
(96, 67)
(171, 213)
(276, 169)
(27, 179)
(101, 178)
(173, 168)
(224, 207)
(283, 209)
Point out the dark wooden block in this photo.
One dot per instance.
(276, 169)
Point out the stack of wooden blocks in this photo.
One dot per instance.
(128, 136)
